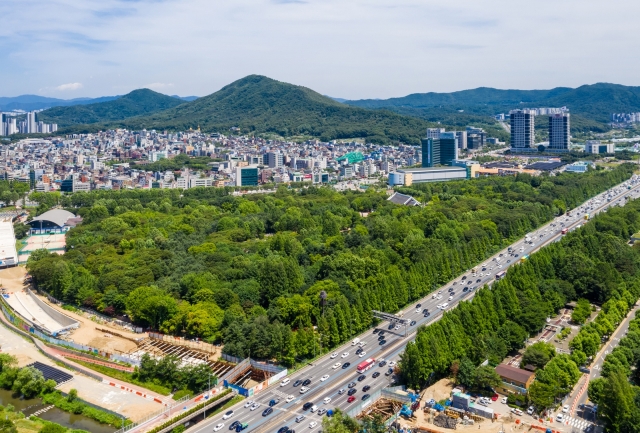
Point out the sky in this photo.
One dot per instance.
(342, 48)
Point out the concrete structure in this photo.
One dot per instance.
(514, 380)
(434, 132)
(435, 174)
(595, 146)
(579, 166)
(559, 135)
(522, 128)
(8, 252)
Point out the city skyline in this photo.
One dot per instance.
(347, 50)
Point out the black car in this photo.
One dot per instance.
(419, 305)
(234, 425)
(381, 337)
(351, 385)
(427, 314)
(381, 332)
(307, 406)
(366, 396)
(241, 427)
(508, 261)
(451, 288)
(346, 365)
(382, 342)
(359, 351)
(469, 282)
(306, 382)
(376, 374)
(297, 383)
(464, 277)
(352, 391)
(466, 289)
(413, 322)
(366, 388)
(362, 377)
(453, 293)
(516, 255)
(477, 281)
(390, 326)
(284, 429)
(382, 363)
(375, 331)
(389, 372)
(274, 402)
(267, 411)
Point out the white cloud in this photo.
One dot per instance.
(158, 86)
(69, 87)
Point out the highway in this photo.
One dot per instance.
(284, 413)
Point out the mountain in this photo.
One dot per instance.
(35, 102)
(592, 105)
(138, 102)
(257, 104)
(186, 98)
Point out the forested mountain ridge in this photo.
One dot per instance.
(198, 262)
(141, 101)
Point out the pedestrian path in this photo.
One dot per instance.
(576, 422)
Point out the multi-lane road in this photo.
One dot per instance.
(339, 378)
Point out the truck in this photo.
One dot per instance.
(365, 365)
(524, 258)
(586, 217)
(500, 275)
(565, 230)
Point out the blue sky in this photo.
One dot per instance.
(342, 48)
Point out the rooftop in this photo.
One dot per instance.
(428, 169)
(57, 216)
(513, 373)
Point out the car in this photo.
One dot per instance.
(376, 330)
(284, 429)
(334, 355)
(483, 402)
(427, 314)
(345, 354)
(439, 292)
(249, 403)
(454, 283)
(227, 415)
(413, 322)
(376, 374)
(366, 388)
(390, 326)
(397, 327)
(560, 417)
(382, 363)
(321, 411)
(469, 282)
(508, 261)
(419, 305)
(381, 337)
(439, 306)
(234, 425)
(327, 400)
(352, 391)
(362, 377)
(307, 405)
(274, 401)
(481, 274)
(254, 406)
(336, 365)
(362, 343)
(392, 364)
(299, 418)
(306, 382)
(314, 408)
(242, 426)
(565, 409)
(433, 296)
(268, 411)
(290, 398)
(303, 390)
(351, 385)
(366, 396)
(218, 426)
(418, 310)
(495, 397)
(450, 298)
(389, 372)
(478, 280)
(346, 365)
(297, 383)
(382, 342)
(351, 399)
(323, 378)
(312, 424)
(504, 400)
(466, 289)
(285, 381)
(341, 391)
(363, 353)
(359, 351)
(530, 410)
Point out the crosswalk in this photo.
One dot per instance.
(576, 422)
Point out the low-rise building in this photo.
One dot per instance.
(514, 380)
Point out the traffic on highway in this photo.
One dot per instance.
(351, 374)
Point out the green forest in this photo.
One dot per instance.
(593, 263)
(248, 271)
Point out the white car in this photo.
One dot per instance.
(254, 406)
(362, 343)
(285, 381)
(327, 400)
(439, 291)
(362, 354)
(418, 310)
(345, 354)
(439, 306)
(323, 378)
(392, 364)
(451, 298)
(488, 274)
(434, 296)
(249, 403)
(445, 305)
(334, 355)
(227, 415)
(560, 417)
(530, 410)
(312, 424)
(565, 409)
(218, 427)
(289, 398)
(397, 327)
(439, 296)
(337, 365)
(504, 400)
(482, 274)
(303, 390)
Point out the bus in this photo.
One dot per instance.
(365, 365)
(565, 230)
(500, 275)
(586, 217)
(522, 259)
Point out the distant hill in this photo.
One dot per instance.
(186, 98)
(35, 102)
(138, 102)
(591, 104)
(258, 104)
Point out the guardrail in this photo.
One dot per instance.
(153, 415)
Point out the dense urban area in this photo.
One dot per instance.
(164, 273)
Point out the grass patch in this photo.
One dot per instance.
(78, 407)
(234, 400)
(181, 393)
(125, 377)
(32, 424)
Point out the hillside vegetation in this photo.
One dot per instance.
(248, 271)
(142, 101)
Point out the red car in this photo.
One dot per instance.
(351, 399)
(495, 397)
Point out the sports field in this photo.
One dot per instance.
(49, 242)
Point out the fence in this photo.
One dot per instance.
(153, 415)
(362, 405)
